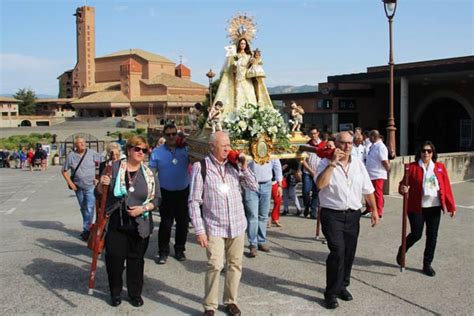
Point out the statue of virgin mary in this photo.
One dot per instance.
(238, 86)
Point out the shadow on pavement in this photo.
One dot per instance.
(51, 225)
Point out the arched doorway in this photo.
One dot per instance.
(118, 113)
(25, 123)
(440, 122)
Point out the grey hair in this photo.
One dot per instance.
(374, 133)
(112, 146)
(79, 137)
(212, 138)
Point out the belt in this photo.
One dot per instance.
(263, 182)
(339, 211)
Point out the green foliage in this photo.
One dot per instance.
(18, 141)
(127, 135)
(28, 99)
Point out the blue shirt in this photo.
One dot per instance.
(263, 173)
(173, 177)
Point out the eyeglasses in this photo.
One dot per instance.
(429, 151)
(138, 149)
(170, 134)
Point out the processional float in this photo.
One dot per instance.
(242, 105)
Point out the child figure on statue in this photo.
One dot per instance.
(296, 116)
(257, 74)
(214, 116)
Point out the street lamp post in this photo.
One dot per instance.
(210, 75)
(390, 6)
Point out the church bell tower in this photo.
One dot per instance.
(84, 71)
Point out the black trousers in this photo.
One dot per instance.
(121, 246)
(174, 206)
(341, 230)
(431, 216)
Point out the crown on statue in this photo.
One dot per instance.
(241, 26)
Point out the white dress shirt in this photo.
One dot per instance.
(346, 187)
(377, 153)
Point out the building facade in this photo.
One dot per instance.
(434, 100)
(126, 83)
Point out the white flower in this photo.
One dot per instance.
(242, 125)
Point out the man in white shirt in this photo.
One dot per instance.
(378, 166)
(358, 148)
(342, 182)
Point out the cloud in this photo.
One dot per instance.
(38, 73)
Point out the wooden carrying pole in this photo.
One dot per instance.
(404, 219)
(100, 222)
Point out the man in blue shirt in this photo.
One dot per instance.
(257, 204)
(170, 161)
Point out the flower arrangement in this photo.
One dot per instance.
(251, 121)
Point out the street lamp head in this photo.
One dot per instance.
(390, 6)
(210, 74)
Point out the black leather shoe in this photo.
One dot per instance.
(180, 256)
(345, 295)
(85, 235)
(115, 301)
(428, 270)
(306, 212)
(232, 309)
(136, 301)
(331, 302)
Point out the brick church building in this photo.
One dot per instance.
(128, 82)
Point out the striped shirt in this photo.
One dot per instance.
(223, 212)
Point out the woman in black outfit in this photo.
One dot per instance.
(132, 195)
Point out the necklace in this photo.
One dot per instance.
(224, 188)
(346, 173)
(173, 152)
(131, 180)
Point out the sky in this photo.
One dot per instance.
(302, 42)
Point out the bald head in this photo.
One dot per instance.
(219, 144)
(344, 142)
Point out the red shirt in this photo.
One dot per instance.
(415, 181)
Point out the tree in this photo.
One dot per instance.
(27, 98)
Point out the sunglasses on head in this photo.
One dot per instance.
(429, 151)
(170, 134)
(138, 149)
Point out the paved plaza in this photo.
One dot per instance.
(44, 265)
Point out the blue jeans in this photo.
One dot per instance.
(86, 199)
(257, 207)
(310, 201)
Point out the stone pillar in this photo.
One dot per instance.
(404, 116)
(335, 122)
(113, 112)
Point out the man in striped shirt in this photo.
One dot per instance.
(220, 227)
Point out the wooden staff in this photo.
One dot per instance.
(318, 223)
(404, 219)
(96, 241)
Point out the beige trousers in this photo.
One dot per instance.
(232, 250)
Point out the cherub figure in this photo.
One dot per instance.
(214, 116)
(296, 116)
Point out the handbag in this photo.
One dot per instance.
(74, 171)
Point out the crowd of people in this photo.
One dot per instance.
(25, 159)
(227, 198)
